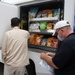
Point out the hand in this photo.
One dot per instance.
(50, 54)
(42, 55)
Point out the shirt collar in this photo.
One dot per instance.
(70, 35)
(16, 27)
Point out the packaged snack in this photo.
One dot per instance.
(52, 42)
(33, 12)
(23, 24)
(43, 25)
(34, 26)
(50, 26)
(39, 15)
(43, 41)
(56, 12)
(38, 39)
(50, 13)
(32, 39)
(47, 13)
(61, 14)
(44, 14)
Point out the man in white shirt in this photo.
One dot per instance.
(15, 49)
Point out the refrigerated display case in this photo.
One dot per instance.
(67, 7)
(39, 19)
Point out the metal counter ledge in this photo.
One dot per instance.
(37, 50)
(30, 49)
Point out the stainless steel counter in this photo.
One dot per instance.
(37, 50)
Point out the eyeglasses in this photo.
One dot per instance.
(58, 30)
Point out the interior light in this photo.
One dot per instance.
(15, 1)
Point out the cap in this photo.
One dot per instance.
(60, 24)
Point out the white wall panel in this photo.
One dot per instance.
(6, 13)
(69, 11)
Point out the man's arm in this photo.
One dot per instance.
(48, 59)
(4, 48)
